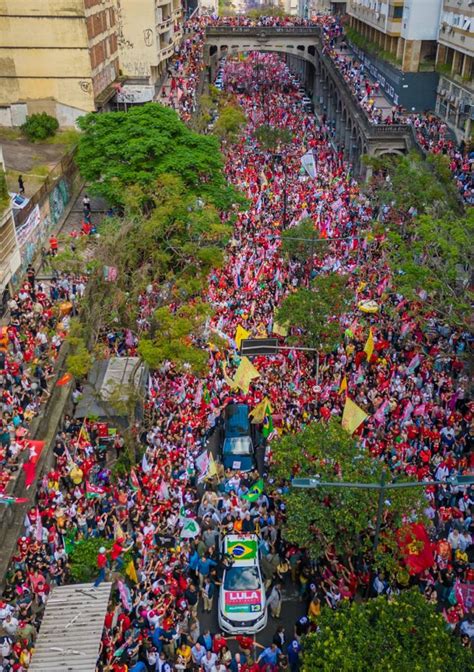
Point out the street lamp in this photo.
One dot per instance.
(315, 482)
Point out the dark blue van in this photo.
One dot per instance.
(237, 449)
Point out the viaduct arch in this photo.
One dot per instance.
(302, 48)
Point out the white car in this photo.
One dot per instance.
(242, 600)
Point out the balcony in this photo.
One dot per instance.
(164, 25)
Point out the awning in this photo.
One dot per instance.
(71, 629)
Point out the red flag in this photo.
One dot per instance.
(29, 467)
(416, 547)
(64, 380)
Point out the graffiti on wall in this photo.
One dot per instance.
(58, 199)
(43, 219)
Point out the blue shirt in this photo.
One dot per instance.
(204, 566)
(270, 656)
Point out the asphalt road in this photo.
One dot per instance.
(291, 609)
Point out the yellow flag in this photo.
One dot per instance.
(280, 329)
(245, 374)
(343, 386)
(131, 572)
(212, 468)
(118, 532)
(352, 416)
(258, 413)
(240, 334)
(369, 346)
(227, 378)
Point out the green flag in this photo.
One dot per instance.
(255, 491)
(267, 423)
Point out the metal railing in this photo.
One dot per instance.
(214, 31)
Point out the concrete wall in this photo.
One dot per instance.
(138, 47)
(43, 213)
(420, 19)
(63, 51)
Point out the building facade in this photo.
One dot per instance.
(455, 62)
(404, 32)
(57, 57)
(149, 32)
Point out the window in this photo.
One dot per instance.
(397, 12)
(242, 578)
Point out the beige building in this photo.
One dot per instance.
(404, 31)
(455, 62)
(149, 32)
(56, 56)
(10, 259)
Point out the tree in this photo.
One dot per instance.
(38, 127)
(120, 149)
(404, 634)
(229, 122)
(265, 10)
(79, 361)
(316, 311)
(297, 242)
(431, 258)
(171, 338)
(271, 138)
(344, 517)
(4, 195)
(413, 182)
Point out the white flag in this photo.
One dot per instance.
(190, 528)
(309, 164)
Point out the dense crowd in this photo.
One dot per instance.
(432, 133)
(38, 320)
(414, 389)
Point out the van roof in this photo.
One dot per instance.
(237, 420)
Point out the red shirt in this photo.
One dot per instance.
(101, 560)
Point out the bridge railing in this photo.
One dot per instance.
(270, 31)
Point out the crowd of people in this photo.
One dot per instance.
(38, 321)
(432, 134)
(415, 390)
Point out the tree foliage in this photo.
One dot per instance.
(339, 517)
(404, 634)
(314, 311)
(271, 138)
(122, 149)
(40, 126)
(296, 242)
(413, 182)
(230, 122)
(172, 337)
(434, 256)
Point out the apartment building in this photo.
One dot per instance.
(404, 32)
(149, 32)
(57, 57)
(455, 62)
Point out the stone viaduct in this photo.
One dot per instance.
(331, 95)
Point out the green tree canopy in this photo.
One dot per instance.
(121, 149)
(296, 242)
(230, 122)
(342, 517)
(271, 138)
(433, 256)
(171, 337)
(404, 634)
(316, 311)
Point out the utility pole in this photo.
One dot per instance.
(382, 487)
